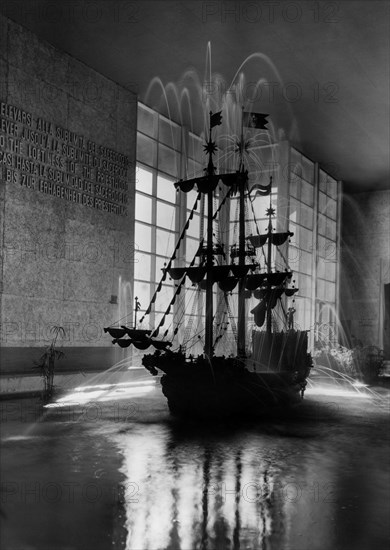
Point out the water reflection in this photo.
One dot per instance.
(205, 492)
(317, 480)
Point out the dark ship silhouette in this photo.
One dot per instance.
(273, 375)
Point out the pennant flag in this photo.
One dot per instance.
(216, 119)
(262, 190)
(254, 120)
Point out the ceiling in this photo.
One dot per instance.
(327, 64)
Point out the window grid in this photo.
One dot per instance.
(155, 139)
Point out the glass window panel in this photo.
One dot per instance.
(195, 147)
(163, 298)
(307, 216)
(168, 161)
(234, 208)
(194, 227)
(160, 261)
(321, 289)
(330, 271)
(293, 229)
(168, 325)
(296, 172)
(294, 211)
(143, 208)
(332, 188)
(147, 121)
(331, 229)
(143, 237)
(305, 262)
(329, 291)
(321, 224)
(165, 216)
(303, 282)
(142, 291)
(294, 257)
(330, 250)
(194, 169)
(191, 198)
(144, 180)
(332, 209)
(169, 133)
(323, 176)
(192, 246)
(146, 150)
(164, 241)
(142, 267)
(321, 268)
(294, 240)
(327, 249)
(321, 244)
(294, 187)
(307, 169)
(166, 190)
(307, 193)
(302, 313)
(305, 239)
(323, 200)
(260, 207)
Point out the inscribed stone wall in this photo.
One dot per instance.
(67, 165)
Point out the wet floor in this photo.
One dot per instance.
(110, 469)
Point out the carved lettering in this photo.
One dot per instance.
(44, 157)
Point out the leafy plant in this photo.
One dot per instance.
(46, 363)
(361, 362)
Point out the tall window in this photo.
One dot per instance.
(313, 253)
(156, 202)
(302, 247)
(304, 196)
(327, 257)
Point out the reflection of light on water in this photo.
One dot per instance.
(337, 392)
(104, 392)
(184, 495)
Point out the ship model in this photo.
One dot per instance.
(268, 374)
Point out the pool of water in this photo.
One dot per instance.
(107, 467)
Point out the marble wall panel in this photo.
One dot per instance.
(62, 260)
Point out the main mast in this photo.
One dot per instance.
(209, 348)
(270, 213)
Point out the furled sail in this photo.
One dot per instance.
(277, 239)
(142, 344)
(218, 272)
(208, 183)
(132, 332)
(269, 279)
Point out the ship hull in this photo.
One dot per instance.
(223, 386)
(258, 394)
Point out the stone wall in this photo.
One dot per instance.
(67, 137)
(365, 250)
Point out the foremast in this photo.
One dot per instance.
(241, 319)
(241, 175)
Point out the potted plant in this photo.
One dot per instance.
(46, 363)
